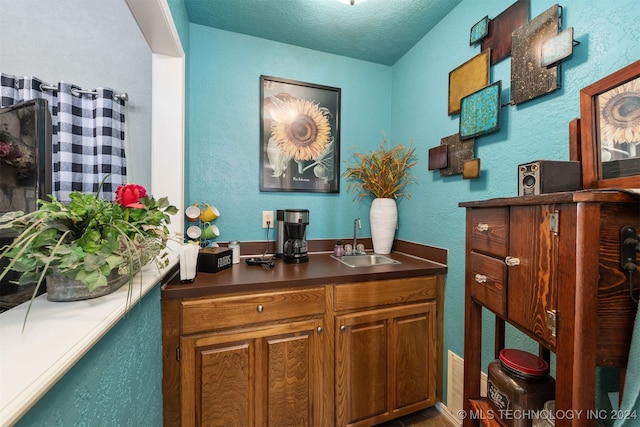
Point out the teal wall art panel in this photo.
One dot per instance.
(480, 111)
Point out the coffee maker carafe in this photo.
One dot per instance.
(295, 244)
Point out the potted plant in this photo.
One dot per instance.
(90, 246)
(382, 174)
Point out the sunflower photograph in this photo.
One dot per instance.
(299, 131)
(619, 123)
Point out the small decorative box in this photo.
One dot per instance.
(212, 260)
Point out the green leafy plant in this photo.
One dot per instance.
(382, 173)
(88, 237)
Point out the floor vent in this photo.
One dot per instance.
(455, 385)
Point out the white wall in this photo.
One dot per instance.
(90, 44)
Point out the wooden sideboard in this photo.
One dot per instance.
(550, 266)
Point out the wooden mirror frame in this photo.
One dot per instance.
(589, 138)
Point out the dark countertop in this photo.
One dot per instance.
(320, 270)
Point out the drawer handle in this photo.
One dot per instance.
(319, 329)
(482, 226)
(260, 308)
(512, 261)
(343, 328)
(481, 278)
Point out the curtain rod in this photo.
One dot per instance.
(77, 92)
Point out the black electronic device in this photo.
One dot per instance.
(279, 251)
(295, 244)
(261, 261)
(25, 177)
(548, 176)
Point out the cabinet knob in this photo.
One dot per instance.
(260, 308)
(482, 226)
(319, 329)
(481, 278)
(343, 328)
(512, 261)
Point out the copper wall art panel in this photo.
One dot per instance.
(480, 112)
(458, 152)
(529, 78)
(479, 31)
(468, 78)
(438, 157)
(501, 27)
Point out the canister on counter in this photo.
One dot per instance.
(518, 385)
(234, 245)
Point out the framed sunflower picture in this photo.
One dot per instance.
(610, 130)
(299, 136)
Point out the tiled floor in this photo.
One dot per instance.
(430, 417)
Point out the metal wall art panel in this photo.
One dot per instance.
(458, 152)
(479, 31)
(468, 78)
(557, 48)
(529, 78)
(501, 27)
(471, 169)
(480, 112)
(438, 157)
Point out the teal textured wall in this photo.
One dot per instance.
(409, 102)
(608, 33)
(117, 383)
(223, 145)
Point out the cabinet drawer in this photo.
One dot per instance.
(228, 311)
(487, 280)
(490, 231)
(385, 292)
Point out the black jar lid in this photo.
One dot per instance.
(524, 362)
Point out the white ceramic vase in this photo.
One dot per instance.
(383, 218)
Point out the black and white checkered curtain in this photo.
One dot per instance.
(88, 134)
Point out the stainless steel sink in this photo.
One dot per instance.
(365, 260)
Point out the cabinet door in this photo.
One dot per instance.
(532, 290)
(261, 377)
(385, 363)
(414, 351)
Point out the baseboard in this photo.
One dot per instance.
(448, 415)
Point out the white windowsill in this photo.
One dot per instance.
(56, 336)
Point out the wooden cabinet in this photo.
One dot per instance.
(253, 359)
(349, 354)
(549, 265)
(533, 263)
(387, 349)
(256, 377)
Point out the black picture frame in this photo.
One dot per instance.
(299, 136)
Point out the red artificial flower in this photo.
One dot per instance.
(129, 195)
(4, 149)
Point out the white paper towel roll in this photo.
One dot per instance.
(188, 261)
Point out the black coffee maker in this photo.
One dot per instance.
(295, 245)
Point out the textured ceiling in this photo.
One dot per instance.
(379, 31)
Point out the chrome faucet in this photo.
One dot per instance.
(356, 224)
